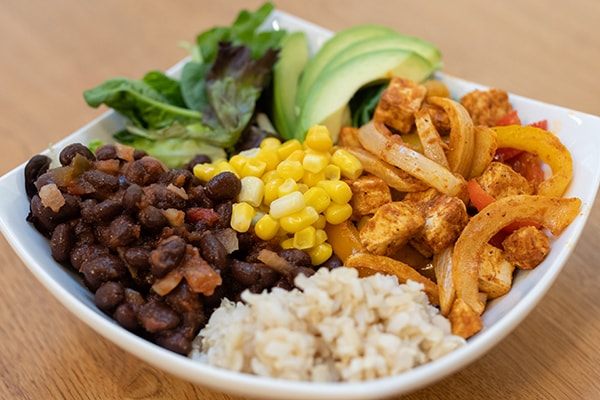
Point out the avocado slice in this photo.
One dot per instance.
(392, 41)
(333, 89)
(331, 49)
(293, 57)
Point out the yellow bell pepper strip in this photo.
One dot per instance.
(548, 147)
(552, 213)
(344, 239)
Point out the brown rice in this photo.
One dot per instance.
(337, 327)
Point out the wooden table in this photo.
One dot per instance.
(51, 51)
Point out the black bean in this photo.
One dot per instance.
(333, 262)
(132, 197)
(137, 257)
(224, 210)
(62, 241)
(109, 295)
(126, 315)
(101, 269)
(161, 197)
(138, 154)
(83, 252)
(106, 152)
(297, 257)
(99, 212)
(69, 152)
(177, 177)
(198, 197)
(122, 231)
(297, 271)
(176, 341)
(103, 182)
(144, 171)
(213, 251)
(253, 274)
(154, 317)
(223, 187)
(35, 167)
(152, 218)
(184, 300)
(167, 256)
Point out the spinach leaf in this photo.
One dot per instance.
(167, 86)
(140, 103)
(364, 102)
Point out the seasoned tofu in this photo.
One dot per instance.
(390, 228)
(500, 180)
(445, 218)
(495, 272)
(398, 103)
(486, 107)
(369, 192)
(526, 247)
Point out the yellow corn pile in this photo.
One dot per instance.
(291, 190)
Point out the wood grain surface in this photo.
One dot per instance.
(51, 51)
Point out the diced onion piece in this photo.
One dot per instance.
(545, 145)
(442, 267)
(486, 144)
(389, 148)
(167, 283)
(392, 176)
(433, 146)
(460, 148)
(52, 197)
(555, 214)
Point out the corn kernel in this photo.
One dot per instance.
(253, 167)
(290, 169)
(339, 191)
(224, 166)
(312, 179)
(204, 171)
(321, 222)
(287, 186)
(320, 253)
(317, 198)
(318, 138)
(299, 220)
(305, 238)
(286, 205)
(332, 172)
(296, 155)
(270, 158)
(350, 166)
(252, 191)
(320, 236)
(287, 243)
(315, 162)
(241, 216)
(270, 143)
(270, 175)
(237, 161)
(338, 213)
(288, 147)
(271, 190)
(266, 227)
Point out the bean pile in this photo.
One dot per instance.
(153, 244)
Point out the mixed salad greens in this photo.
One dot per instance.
(235, 73)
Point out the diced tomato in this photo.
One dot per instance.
(506, 153)
(543, 124)
(479, 197)
(512, 118)
(529, 165)
(196, 214)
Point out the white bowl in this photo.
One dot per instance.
(578, 131)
